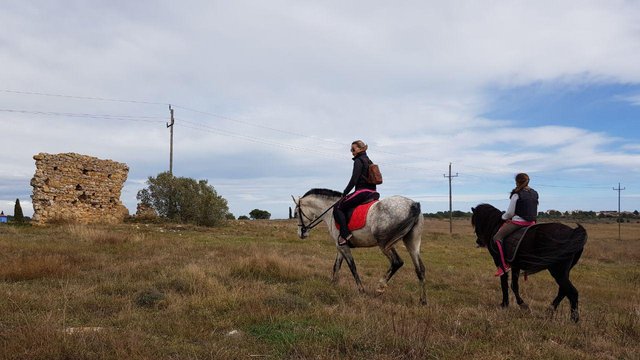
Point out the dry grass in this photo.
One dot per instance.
(252, 288)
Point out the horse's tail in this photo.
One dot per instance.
(579, 237)
(415, 211)
(408, 223)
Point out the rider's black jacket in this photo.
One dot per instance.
(359, 175)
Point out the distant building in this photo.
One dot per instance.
(3, 217)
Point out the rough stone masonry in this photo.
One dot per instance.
(77, 188)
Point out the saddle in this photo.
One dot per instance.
(357, 217)
(511, 243)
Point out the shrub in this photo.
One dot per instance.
(184, 200)
(260, 214)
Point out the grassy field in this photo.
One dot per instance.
(252, 289)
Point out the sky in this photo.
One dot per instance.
(269, 95)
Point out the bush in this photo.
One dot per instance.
(243, 217)
(257, 214)
(184, 200)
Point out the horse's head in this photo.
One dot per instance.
(485, 220)
(312, 207)
(303, 230)
(479, 242)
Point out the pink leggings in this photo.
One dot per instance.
(505, 230)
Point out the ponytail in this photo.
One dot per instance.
(522, 182)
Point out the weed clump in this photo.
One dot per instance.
(150, 298)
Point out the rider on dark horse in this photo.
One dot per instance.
(364, 191)
(522, 212)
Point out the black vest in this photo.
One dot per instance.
(527, 204)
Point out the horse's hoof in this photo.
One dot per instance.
(575, 316)
(380, 291)
(423, 301)
(524, 306)
(504, 305)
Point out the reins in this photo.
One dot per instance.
(314, 222)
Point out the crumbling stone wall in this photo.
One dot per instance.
(78, 188)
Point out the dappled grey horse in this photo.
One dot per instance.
(388, 221)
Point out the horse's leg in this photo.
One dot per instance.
(554, 304)
(504, 284)
(346, 254)
(336, 267)
(515, 287)
(412, 242)
(561, 274)
(573, 298)
(395, 263)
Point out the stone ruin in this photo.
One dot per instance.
(77, 188)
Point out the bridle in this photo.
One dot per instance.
(313, 222)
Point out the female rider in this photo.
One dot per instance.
(364, 191)
(522, 211)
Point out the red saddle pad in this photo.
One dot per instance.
(359, 217)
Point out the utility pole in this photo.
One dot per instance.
(171, 142)
(619, 189)
(450, 201)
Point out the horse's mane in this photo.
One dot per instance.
(324, 192)
(486, 218)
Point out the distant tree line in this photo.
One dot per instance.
(445, 214)
(579, 214)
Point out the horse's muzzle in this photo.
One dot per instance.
(303, 234)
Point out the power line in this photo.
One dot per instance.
(328, 152)
(573, 187)
(325, 152)
(205, 113)
(82, 97)
(254, 139)
(90, 116)
(244, 122)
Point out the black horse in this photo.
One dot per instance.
(552, 246)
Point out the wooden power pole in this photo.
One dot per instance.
(450, 201)
(619, 189)
(170, 125)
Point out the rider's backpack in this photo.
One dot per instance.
(373, 175)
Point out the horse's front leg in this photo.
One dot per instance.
(346, 254)
(504, 284)
(515, 275)
(336, 266)
(395, 263)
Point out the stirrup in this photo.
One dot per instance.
(345, 241)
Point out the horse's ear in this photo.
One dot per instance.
(473, 209)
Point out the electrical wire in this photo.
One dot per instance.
(83, 97)
(90, 116)
(204, 127)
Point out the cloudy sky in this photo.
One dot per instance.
(268, 96)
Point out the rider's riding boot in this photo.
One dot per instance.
(501, 270)
(505, 267)
(344, 240)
